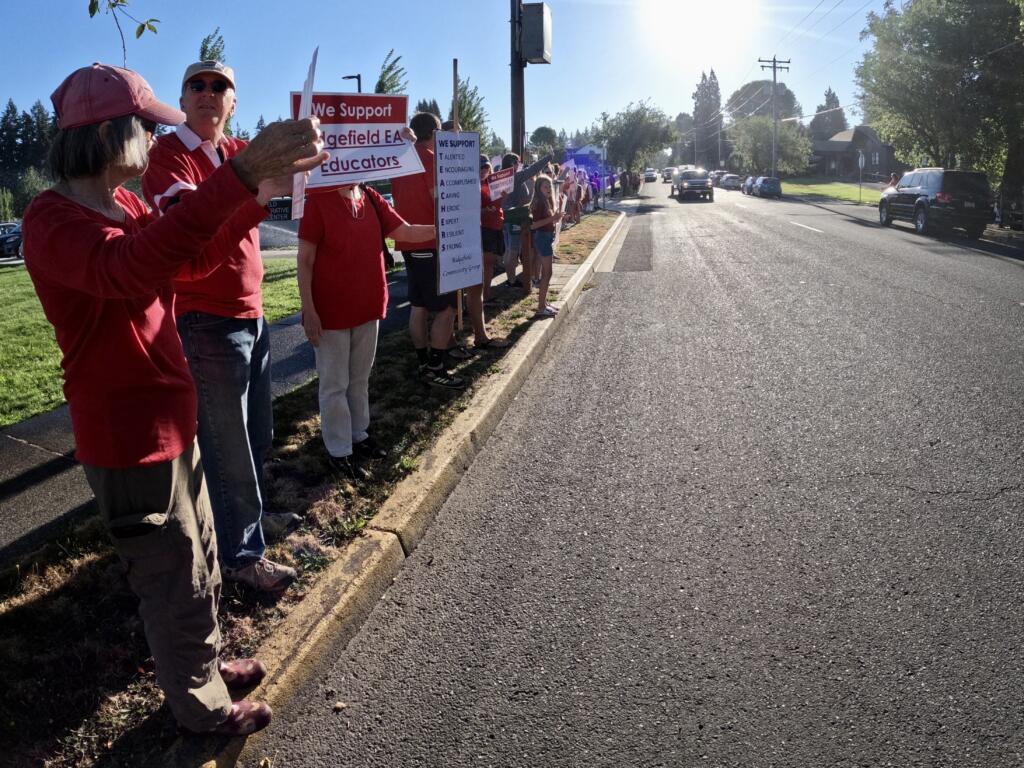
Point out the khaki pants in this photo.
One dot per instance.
(160, 522)
(343, 363)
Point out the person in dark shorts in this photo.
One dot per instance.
(414, 202)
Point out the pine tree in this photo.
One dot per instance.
(211, 47)
(10, 149)
(260, 125)
(707, 118)
(392, 78)
(825, 126)
(429, 106)
(472, 115)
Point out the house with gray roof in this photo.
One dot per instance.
(837, 156)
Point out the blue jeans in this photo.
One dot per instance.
(230, 362)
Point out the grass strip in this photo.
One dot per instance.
(80, 689)
(30, 376)
(832, 190)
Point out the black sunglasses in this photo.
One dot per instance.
(148, 125)
(217, 86)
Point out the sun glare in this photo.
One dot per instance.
(699, 28)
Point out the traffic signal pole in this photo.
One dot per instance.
(774, 65)
(518, 67)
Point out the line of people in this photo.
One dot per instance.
(158, 314)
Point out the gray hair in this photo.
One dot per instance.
(88, 151)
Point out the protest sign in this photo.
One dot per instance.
(303, 110)
(500, 183)
(363, 134)
(457, 210)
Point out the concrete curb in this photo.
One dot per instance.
(333, 610)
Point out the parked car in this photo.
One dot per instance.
(937, 199)
(716, 177)
(10, 243)
(730, 181)
(7, 226)
(692, 181)
(666, 174)
(768, 186)
(747, 185)
(650, 174)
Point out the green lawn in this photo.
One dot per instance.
(837, 190)
(30, 375)
(280, 289)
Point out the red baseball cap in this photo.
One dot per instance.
(102, 92)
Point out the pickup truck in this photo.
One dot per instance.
(688, 181)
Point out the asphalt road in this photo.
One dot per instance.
(758, 506)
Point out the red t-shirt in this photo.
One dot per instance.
(105, 286)
(414, 199)
(177, 164)
(349, 283)
(539, 210)
(491, 214)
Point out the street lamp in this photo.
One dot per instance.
(358, 79)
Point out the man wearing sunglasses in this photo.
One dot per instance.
(223, 332)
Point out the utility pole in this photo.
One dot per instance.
(774, 66)
(518, 71)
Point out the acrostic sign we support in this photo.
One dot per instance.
(363, 133)
(457, 208)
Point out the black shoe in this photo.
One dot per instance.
(369, 448)
(349, 467)
(439, 377)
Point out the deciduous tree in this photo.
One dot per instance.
(752, 147)
(635, 134)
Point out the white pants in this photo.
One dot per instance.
(343, 363)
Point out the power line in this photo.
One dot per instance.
(820, 3)
(837, 26)
(823, 112)
(725, 108)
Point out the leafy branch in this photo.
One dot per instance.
(119, 7)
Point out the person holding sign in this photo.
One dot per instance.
(102, 264)
(223, 331)
(344, 292)
(414, 202)
(546, 217)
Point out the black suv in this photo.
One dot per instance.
(936, 198)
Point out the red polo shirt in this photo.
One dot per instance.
(177, 164)
(105, 286)
(414, 198)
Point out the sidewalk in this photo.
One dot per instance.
(43, 490)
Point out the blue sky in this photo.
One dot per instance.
(606, 53)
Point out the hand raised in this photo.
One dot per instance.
(280, 149)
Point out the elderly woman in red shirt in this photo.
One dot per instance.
(102, 267)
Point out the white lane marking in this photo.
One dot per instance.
(741, 205)
(402, 305)
(798, 224)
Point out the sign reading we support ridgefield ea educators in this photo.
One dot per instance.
(457, 207)
(363, 134)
